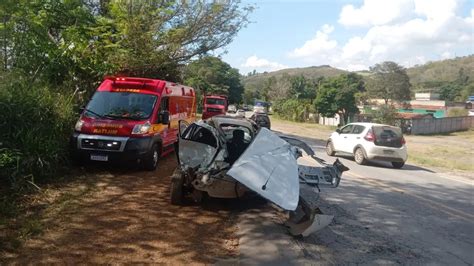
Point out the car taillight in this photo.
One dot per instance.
(403, 141)
(370, 136)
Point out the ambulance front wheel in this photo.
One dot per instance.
(151, 161)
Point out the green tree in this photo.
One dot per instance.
(49, 50)
(302, 88)
(294, 109)
(59, 41)
(466, 92)
(450, 92)
(159, 35)
(338, 96)
(212, 75)
(385, 114)
(389, 81)
(268, 86)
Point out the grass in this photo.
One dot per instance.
(303, 129)
(453, 151)
(303, 124)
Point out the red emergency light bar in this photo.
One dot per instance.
(131, 79)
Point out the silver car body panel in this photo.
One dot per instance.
(193, 154)
(281, 169)
(268, 166)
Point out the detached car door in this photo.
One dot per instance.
(268, 166)
(197, 145)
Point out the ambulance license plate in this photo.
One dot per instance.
(102, 158)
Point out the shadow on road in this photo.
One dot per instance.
(130, 219)
(382, 164)
(375, 225)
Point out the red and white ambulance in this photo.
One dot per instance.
(132, 119)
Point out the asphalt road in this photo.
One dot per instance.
(383, 215)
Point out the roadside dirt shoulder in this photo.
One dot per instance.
(129, 220)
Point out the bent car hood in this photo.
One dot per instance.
(268, 167)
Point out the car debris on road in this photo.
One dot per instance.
(226, 157)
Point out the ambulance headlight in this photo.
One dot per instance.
(142, 128)
(79, 125)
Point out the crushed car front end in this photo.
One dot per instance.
(225, 157)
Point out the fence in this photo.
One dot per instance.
(441, 125)
(329, 121)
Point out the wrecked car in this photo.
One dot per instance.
(227, 157)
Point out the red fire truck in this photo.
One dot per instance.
(132, 119)
(214, 105)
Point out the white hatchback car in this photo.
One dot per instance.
(369, 141)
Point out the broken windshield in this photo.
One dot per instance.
(228, 130)
(199, 134)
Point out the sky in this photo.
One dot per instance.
(351, 35)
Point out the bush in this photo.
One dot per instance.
(385, 114)
(294, 109)
(35, 123)
(458, 111)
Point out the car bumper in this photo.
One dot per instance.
(130, 148)
(387, 153)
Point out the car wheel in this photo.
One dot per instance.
(151, 161)
(359, 156)
(176, 188)
(398, 165)
(330, 149)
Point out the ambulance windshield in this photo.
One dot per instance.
(121, 105)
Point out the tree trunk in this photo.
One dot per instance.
(5, 48)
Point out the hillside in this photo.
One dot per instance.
(257, 80)
(428, 77)
(432, 75)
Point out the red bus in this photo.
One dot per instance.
(132, 119)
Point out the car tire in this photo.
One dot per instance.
(176, 187)
(398, 165)
(151, 161)
(359, 156)
(330, 149)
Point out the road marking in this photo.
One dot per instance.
(446, 209)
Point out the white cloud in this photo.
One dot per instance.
(261, 64)
(446, 55)
(374, 12)
(436, 9)
(319, 44)
(431, 30)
